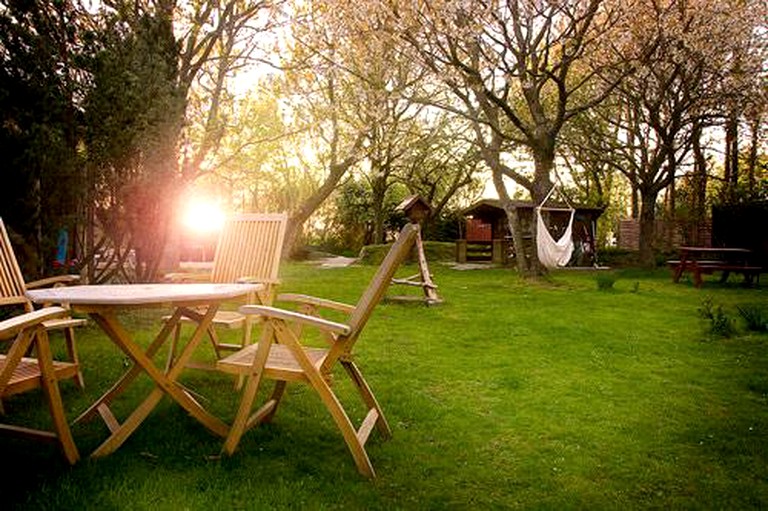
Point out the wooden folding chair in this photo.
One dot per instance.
(279, 355)
(13, 290)
(19, 373)
(249, 250)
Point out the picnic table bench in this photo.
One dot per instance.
(701, 261)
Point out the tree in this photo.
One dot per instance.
(442, 165)
(673, 90)
(319, 107)
(143, 81)
(40, 43)
(518, 71)
(133, 117)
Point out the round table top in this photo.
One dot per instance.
(140, 294)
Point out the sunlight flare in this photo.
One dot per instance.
(203, 217)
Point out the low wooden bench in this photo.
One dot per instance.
(751, 273)
(707, 267)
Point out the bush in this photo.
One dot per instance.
(433, 250)
(617, 257)
(605, 280)
(720, 324)
(755, 317)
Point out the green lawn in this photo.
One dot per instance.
(510, 395)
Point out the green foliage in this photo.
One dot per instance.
(434, 251)
(755, 317)
(720, 323)
(133, 116)
(352, 219)
(605, 280)
(42, 178)
(445, 227)
(617, 257)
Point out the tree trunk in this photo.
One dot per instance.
(731, 173)
(648, 228)
(378, 193)
(513, 222)
(305, 210)
(752, 161)
(699, 187)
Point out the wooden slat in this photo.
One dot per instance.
(250, 246)
(274, 312)
(281, 363)
(26, 376)
(364, 431)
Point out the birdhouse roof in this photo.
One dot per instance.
(411, 202)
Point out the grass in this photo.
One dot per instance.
(553, 394)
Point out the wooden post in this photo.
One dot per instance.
(417, 209)
(461, 251)
(497, 252)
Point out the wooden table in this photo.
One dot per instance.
(103, 302)
(707, 260)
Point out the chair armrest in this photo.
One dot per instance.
(318, 302)
(181, 277)
(295, 317)
(257, 280)
(58, 280)
(10, 327)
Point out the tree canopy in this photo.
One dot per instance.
(327, 109)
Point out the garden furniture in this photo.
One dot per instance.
(249, 249)
(104, 303)
(20, 373)
(700, 261)
(13, 290)
(281, 355)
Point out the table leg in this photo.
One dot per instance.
(101, 406)
(698, 280)
(164, 380)
(680, 267)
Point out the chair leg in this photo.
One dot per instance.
(53, 396)
(245, 339)
(242, 419)
(215, 342)
(348, 431)
(69, 337)
(172, 347)
(239, 425)
(368, 398)
(277, 395)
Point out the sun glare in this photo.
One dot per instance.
(203, 217)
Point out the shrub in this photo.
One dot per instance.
(605, 280)
(617, 257)
(433, 250)
(720, 324)
(755, 317)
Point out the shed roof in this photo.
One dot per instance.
(493, 207)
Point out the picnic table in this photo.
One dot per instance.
(700, 261)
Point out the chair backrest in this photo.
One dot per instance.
(381, 280)
(12, 285)
(250, 245)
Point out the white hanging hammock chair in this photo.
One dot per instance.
(553, 253)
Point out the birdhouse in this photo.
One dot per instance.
(415, 208)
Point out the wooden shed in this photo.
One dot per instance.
(486, 237)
